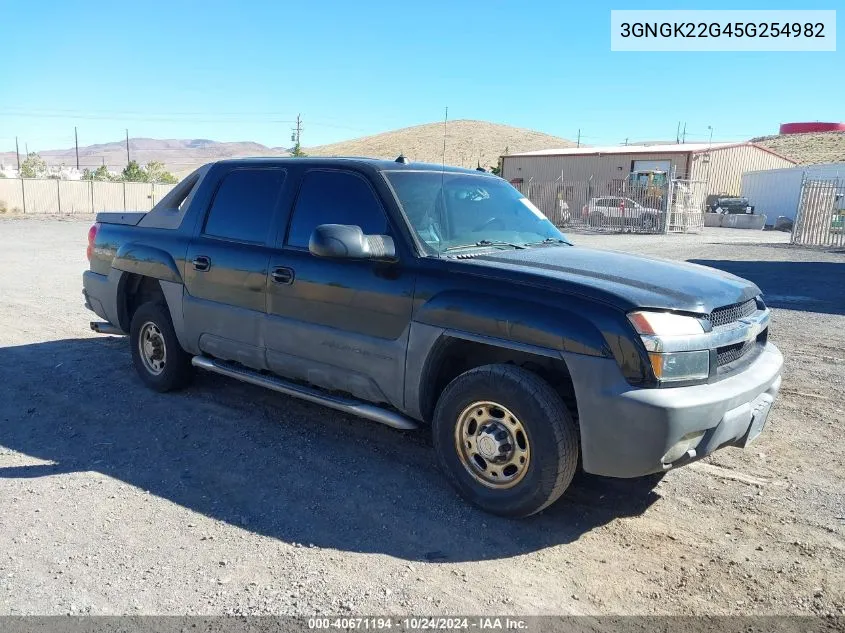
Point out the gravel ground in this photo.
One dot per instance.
(227, 499)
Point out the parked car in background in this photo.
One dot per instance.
(728, 204)
(618, 211)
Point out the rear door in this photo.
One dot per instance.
(339, 324)
(227, 263)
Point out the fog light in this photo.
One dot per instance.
(680, 366)
(688, 441)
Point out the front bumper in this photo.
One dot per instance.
(626, 431)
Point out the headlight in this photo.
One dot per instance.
(664, 324)
(655, 328)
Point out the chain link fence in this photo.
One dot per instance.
(674, 206)
(820, 220)
(25, 195)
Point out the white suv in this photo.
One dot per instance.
(618, 211)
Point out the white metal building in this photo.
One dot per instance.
(721, 165)
(777, 192)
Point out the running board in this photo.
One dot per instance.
(347, 405)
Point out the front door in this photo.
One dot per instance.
(339, 324)
(226, 267)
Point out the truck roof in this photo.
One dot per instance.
(378, 164)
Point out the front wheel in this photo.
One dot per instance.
(159, 359)
(505, 440)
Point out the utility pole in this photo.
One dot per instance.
(684, 133)
(18, 155)
(296, 137)
(579, 138)
(127, 147)
(678, 133)
(76, 141)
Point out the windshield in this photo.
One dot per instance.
(453, 210)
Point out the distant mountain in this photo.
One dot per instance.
(179, 156)
(468, 143)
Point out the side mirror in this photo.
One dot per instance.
(344, 241)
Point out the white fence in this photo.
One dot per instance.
(77, 196)
(821, 214)
(619, 205)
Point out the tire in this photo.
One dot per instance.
(596, 219)
(174, 369)
(528, 404)
(649, 223)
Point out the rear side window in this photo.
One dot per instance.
(244, 204)
(334, 197)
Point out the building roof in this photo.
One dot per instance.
(681, 148)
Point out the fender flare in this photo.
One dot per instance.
(574, 328)
(147, 261)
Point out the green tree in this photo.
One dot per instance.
(102, 173)
(87, 174)
(34, 166)
(133, 172)
(297, 151)
(155, 172)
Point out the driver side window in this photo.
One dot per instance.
(334, 197)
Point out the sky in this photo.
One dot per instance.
(237, 71)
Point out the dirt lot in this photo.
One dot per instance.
(229, 499)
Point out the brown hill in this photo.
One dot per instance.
(807, 149)
(468, 143)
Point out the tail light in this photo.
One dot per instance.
(92, 235)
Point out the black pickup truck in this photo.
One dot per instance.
(416, 294)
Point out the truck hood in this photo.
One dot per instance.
(628, 281)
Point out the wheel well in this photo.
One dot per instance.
(452, 357)
(135, 291)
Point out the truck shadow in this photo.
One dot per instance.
(267, 463)
(804, 285)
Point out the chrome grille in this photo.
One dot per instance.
(730, 353)
(729, 314)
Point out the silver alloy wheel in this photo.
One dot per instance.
(492, 444)
(152, 348)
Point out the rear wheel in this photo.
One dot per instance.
(597, 219)
(649, 223)
(159, 359)
(505, 440)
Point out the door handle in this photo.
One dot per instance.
(201, 263)
(282, 275)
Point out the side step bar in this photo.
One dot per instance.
(347, 405)
(102, 327)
